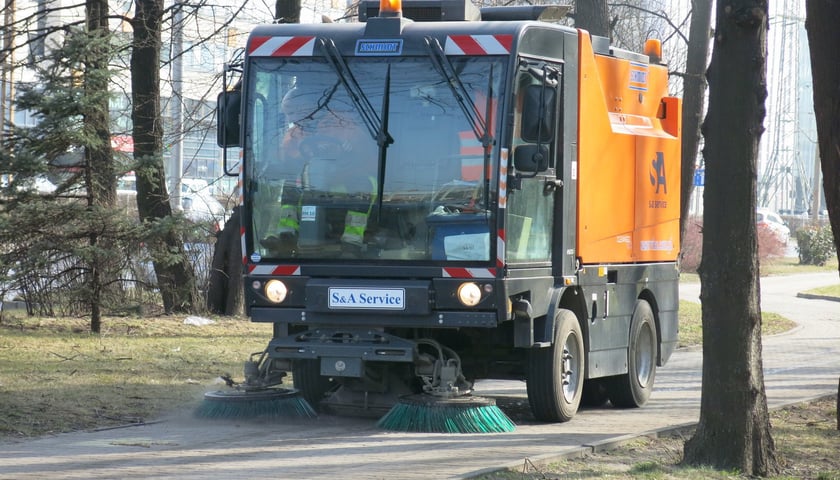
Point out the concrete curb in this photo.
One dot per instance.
(532, 462)
(813, 296)
(583, 450)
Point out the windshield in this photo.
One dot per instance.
(320, 185)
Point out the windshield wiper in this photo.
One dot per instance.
(377, 126)
(478, 122)
(488, 112)
(383, 138)
(476, 119)
(357, 95)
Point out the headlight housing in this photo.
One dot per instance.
(469, 294)
(276, 291)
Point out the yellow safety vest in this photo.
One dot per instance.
(355, 222)
(289, 219)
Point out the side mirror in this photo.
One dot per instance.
(538, 114)
(227, 118)
(529, 158)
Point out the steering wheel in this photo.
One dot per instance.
(321, 146)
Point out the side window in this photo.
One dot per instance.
(522, 83)
(529, 224)
(257, 119)
(529, 217)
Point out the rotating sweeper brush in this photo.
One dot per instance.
(430, 414)
(260, 395)
(446, 406)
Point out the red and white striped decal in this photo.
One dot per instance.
(500, 248)
(503, 175)
(478, 44)
(451, 272)
(281, 46)
(239, 183)
(285, 270)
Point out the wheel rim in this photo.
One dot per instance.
(645, 350)
(571, 368)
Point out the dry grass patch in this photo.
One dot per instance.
(691, 324)
(806, 437)
(828, 291)
(791, 266)
(57, 377)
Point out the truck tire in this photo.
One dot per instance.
(555, 374)
(633, 389)
(307, 378)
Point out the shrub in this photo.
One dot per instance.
(692, 246)
(815, 244)
(769, 245)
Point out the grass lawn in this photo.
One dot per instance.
(790, 265)
(828, 291)
(806, 439)
(56, 377)
(691, 324)
(777, 266)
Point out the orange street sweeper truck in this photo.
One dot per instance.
(440, 193)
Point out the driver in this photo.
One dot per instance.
(318, 125)
(329, 146)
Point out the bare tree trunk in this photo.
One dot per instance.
(176, 280)
(824, 39)
(694, 98)
(225, 294)
(100, 176)
(734, 427)
(593, 16)
(225, 289)
(287, 11)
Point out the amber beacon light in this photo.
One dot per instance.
(653, 49)
(390, 8)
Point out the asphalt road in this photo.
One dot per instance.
(799, 365)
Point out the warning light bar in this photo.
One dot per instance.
(653, 49)
(418, 11)
(390, 8)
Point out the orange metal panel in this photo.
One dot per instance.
(657, 223)
(628, 161)
(605, 198)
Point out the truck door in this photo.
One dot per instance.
(529, 220)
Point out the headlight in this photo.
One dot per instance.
(469, 294)
(276, 291)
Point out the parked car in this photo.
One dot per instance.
(39, 184)
(197, 200)
(772, 221)
(203, 207)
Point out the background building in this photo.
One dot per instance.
(197, 41)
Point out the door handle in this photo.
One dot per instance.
(552, 185)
